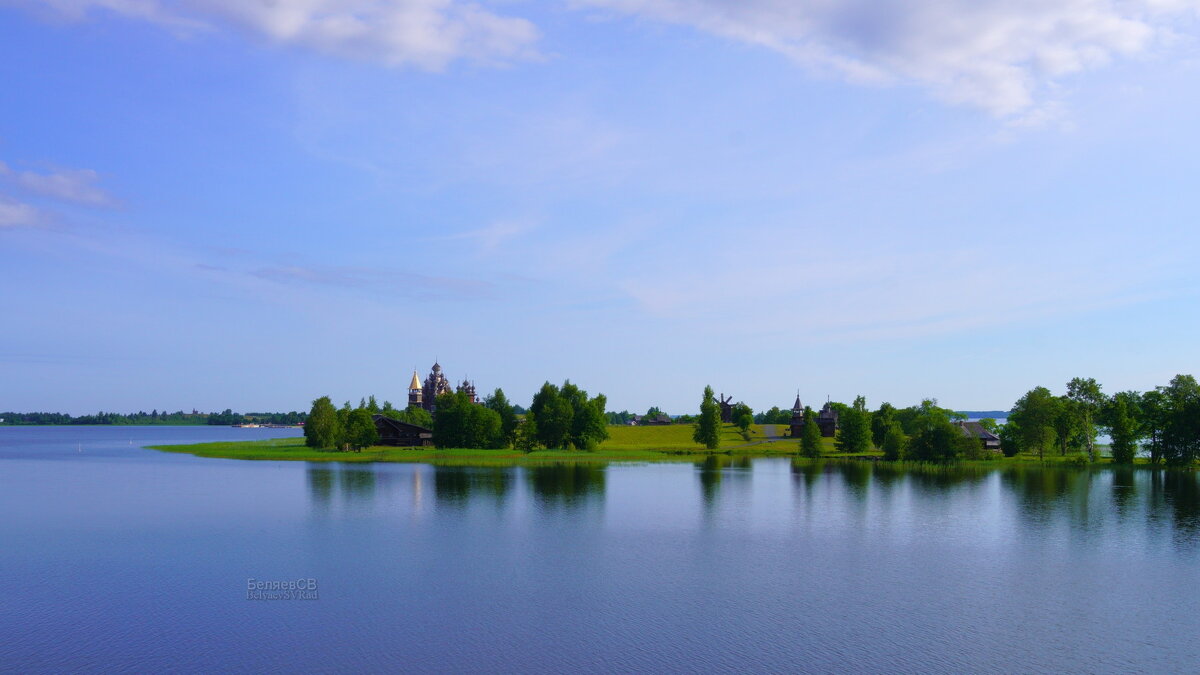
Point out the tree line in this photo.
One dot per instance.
(1165, 419)
(558, 417)
(142, 417)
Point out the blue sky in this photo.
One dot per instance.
(211, 204)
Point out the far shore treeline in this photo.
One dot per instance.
(142, 417)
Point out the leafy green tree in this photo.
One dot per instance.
(322, 428)
(566, 418)
(1068, 432)
(360, 430)
(1010, 438)
(708, 427)
(415, 414)
(1120, 416)
(855, 433)
(989, 424)
(508, 417)
(1087, 401)
(740, 409)
(1035, 414)
(744, 422)
(1181, 434)
(810, 435)
(527, 436)
(937, 438)
(893, 442)
(881, 423)
(589, 424)
(1155, 413)
(372, 406)
(460, 423)
(552, 416)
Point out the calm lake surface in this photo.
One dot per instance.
(117, 558)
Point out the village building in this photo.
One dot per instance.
(987, 440)
(651, 420)
(826, 420)
(425, 395)
(402, 434)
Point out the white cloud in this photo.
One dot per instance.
(17, 214)
(999, 55)
(424, 33)
(77, 186)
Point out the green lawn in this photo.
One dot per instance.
(671, 443)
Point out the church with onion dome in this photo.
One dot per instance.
(436, 383)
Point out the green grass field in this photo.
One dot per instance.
(625, 444)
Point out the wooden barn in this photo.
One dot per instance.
(401, 434)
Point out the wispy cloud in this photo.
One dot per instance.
(18, 214)
(999, 55)
(386, 281)
(423, 33)
(74, 186)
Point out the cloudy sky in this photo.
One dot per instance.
(251, 203)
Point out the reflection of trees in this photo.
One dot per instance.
(710, 477)
(357, 484)
(857, 476)
(456, 484)
(567, 484)
(353, 484)
(320, 485)
(1124, 488)
(1180, 491)
(807, 471)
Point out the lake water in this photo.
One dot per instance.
(117, 558)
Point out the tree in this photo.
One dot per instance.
(810, 435)
(322, 429)
(551, 415)
(508, 417)
(744, 422)
(740, 409)
(1010, 438)
(360, 430)
(1034, 415)
(937, 438)
(415, 414)
(1068, 432)
(989, 424)
(708, 427)
(855, 433)
(1181, 433)
(1087, 401)
(1154, 422)
(372, 407)
(881, 423)
(566, 418)
(893, 442)
(1120, 416)
(460, 423)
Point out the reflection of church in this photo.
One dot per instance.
(425, 395)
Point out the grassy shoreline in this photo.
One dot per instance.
(627, 444)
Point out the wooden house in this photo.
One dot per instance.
(987, 440)
(401, 434)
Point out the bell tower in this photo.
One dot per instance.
(414, 392)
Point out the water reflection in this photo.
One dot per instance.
(354, 483)
(456, 485)
(567, 484)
